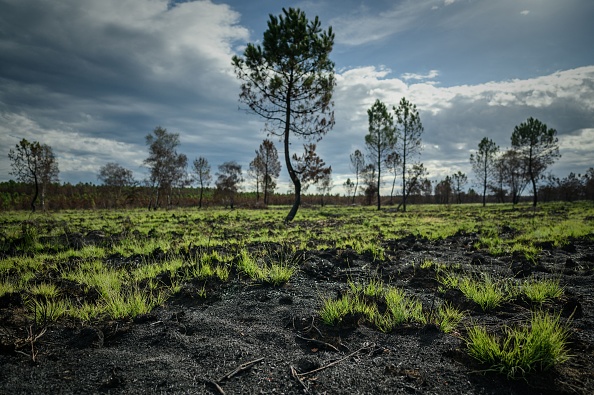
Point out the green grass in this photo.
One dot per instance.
(486, 292)
(521, 350)
(40, 248)
(540, 291)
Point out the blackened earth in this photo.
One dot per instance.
(247, 338)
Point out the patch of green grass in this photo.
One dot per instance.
(130, 303)
(488, 294)
(399, 310)
(539, 291)
(334, 310)
(45, 311)
(521, 350)
(275, 273)
(44, 290)
(448, 318)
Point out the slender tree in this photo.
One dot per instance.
(393, 165)
(380, 140)
(116, 178)
(357, 165)
(417, 181)
(483, 163)
(201, 169)
(512, 173)
(408, 144)
(325, 185)
(443, 190)
(538, 147)
(265, 168)
(229, 178)
(289, 82)
(310, 167)
(349, 187)
(167, 167)
(370, 181)
(34, 163)
(459, 181)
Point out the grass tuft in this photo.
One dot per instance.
(522, 350)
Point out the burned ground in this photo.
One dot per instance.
(251, 338)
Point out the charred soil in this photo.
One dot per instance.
(251, 338)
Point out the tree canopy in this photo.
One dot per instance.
(538, 146)
(34, 163)
(483, 163)
(289, 81)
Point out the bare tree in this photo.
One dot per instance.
(357, 165)
(228, 182)
(116, 178)
(408, 144)
(289, 81)
(483, 163)
(167, 167)
(380, 140)
(202, 175)
(34, 163)
(538, 146)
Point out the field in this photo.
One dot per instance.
(344, 300)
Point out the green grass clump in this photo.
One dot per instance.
(334, 310)
(275, 273)
(399, 310)
(448, 318)
(486, 292)
(539, 291)
(46, 291)
(521, 350)
(6, 287)
(364, 299)
(44, 311)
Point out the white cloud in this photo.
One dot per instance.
(414, 76)
(525, 12)
(456, 118)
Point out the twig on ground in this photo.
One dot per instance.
(296, 377)
(217, 386)
(239, 369)
(319, 342)
(337, 361)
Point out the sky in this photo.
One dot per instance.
(93, 78)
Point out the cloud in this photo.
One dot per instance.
(457, 118)
(93, 78)
(74, 70)
(413, 76)
(364, 25)
(525, 12)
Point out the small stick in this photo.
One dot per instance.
(218, 387)
(239, 369)
(335, 362)
(296, 377)
(328, 345)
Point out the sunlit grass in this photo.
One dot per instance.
(541, 290)
(521, 350)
